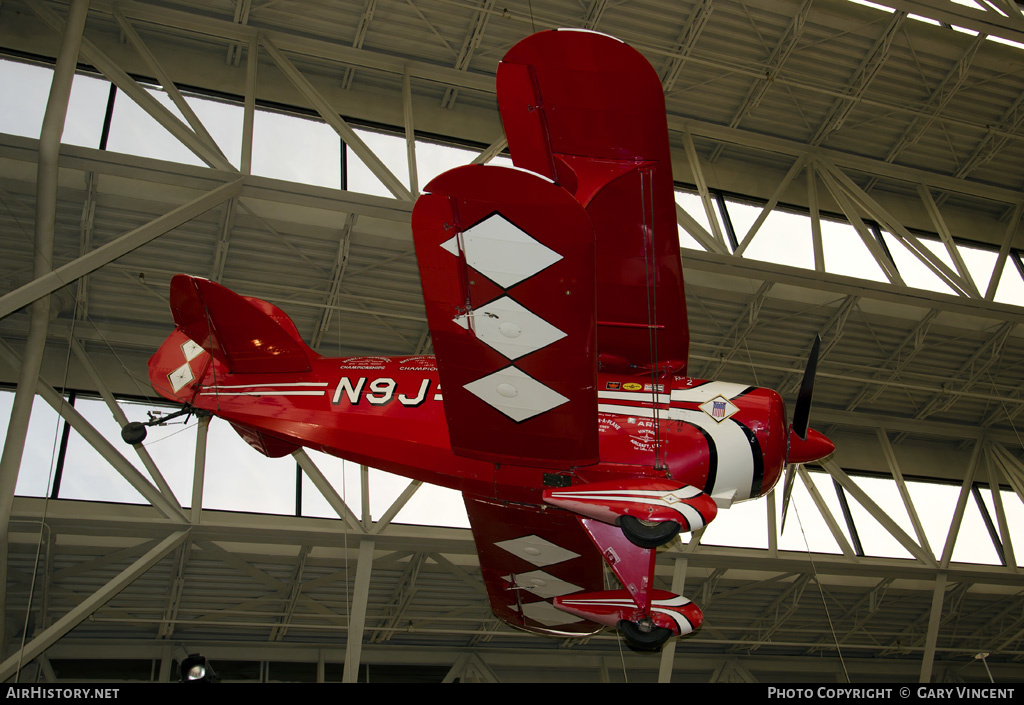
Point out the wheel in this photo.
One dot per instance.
(134, 433)
(645, 638)
(647, 534)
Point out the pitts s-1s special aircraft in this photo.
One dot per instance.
(554, 298)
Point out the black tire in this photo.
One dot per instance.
(134, 433)
(648, 534)
(643, 641)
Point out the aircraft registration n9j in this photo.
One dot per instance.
(558, 400)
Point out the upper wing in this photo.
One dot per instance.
(588, 111)
(530, 555)
(506, 262)
(244, 333)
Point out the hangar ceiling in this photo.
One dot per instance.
(827, 108)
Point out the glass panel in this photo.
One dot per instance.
(1014, 511)
(980, 263)
(239, 478)
(295, 149)
(87, 474)
(172, 447)
(1011, 287)
(41, 444)
(87, 107)
(433, 159)
(845, 252)
(691, 203)
(743, 525)
(224, 123)
(390, 149)
(430, 506)
(935, 505)
(874, 538)
(914, 272)
(134, 131)
(806, 529)
(783, 238)
(26, 89)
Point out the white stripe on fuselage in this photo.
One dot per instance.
(735, 468)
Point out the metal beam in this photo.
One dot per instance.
(47, 174)
(66, 274)
(357, 615)
(88, 606)
(332, 118)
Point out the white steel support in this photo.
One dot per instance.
(88, 606)
(826, 514)
(1004, 251)
(331, 117)
(357, 617)
(109, 68)
(172, 90)
(252, 56)
(946, 235)
(934, 619)
(894, 468)
(1006, 542)
(797, 167)
(410, 132)
(812, 202)
(698, 233)
(199, 470)
(396, 506)
(48, 283)
(875, 511)
(46, 212)
(122, 420)
(326, 489)
(100, 443)
(702, 189)
(961, 505)
(668, 652)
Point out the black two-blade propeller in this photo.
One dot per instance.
(801, 421)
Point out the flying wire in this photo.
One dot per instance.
(821, 592)
(46, 498)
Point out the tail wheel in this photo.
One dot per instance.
(133, 433)
(648, 534)
(643, 636)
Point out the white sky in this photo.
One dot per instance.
(239, 479)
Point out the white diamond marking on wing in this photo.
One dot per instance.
(543, 584)
(547, 614)
(180, 377)
(536, 550)
(191, 349)
(516, 394)
(502, 252)
(510, 328)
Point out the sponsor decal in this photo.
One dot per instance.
(632, 387)
(613, 386)
(654, 387)
(719, 408)
(420, 363)
(363, 363)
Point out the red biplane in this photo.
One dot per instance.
(554, 297)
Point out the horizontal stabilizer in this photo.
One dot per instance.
(247, 335)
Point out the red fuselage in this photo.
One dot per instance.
(725, 439)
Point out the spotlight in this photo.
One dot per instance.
(195, 669)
